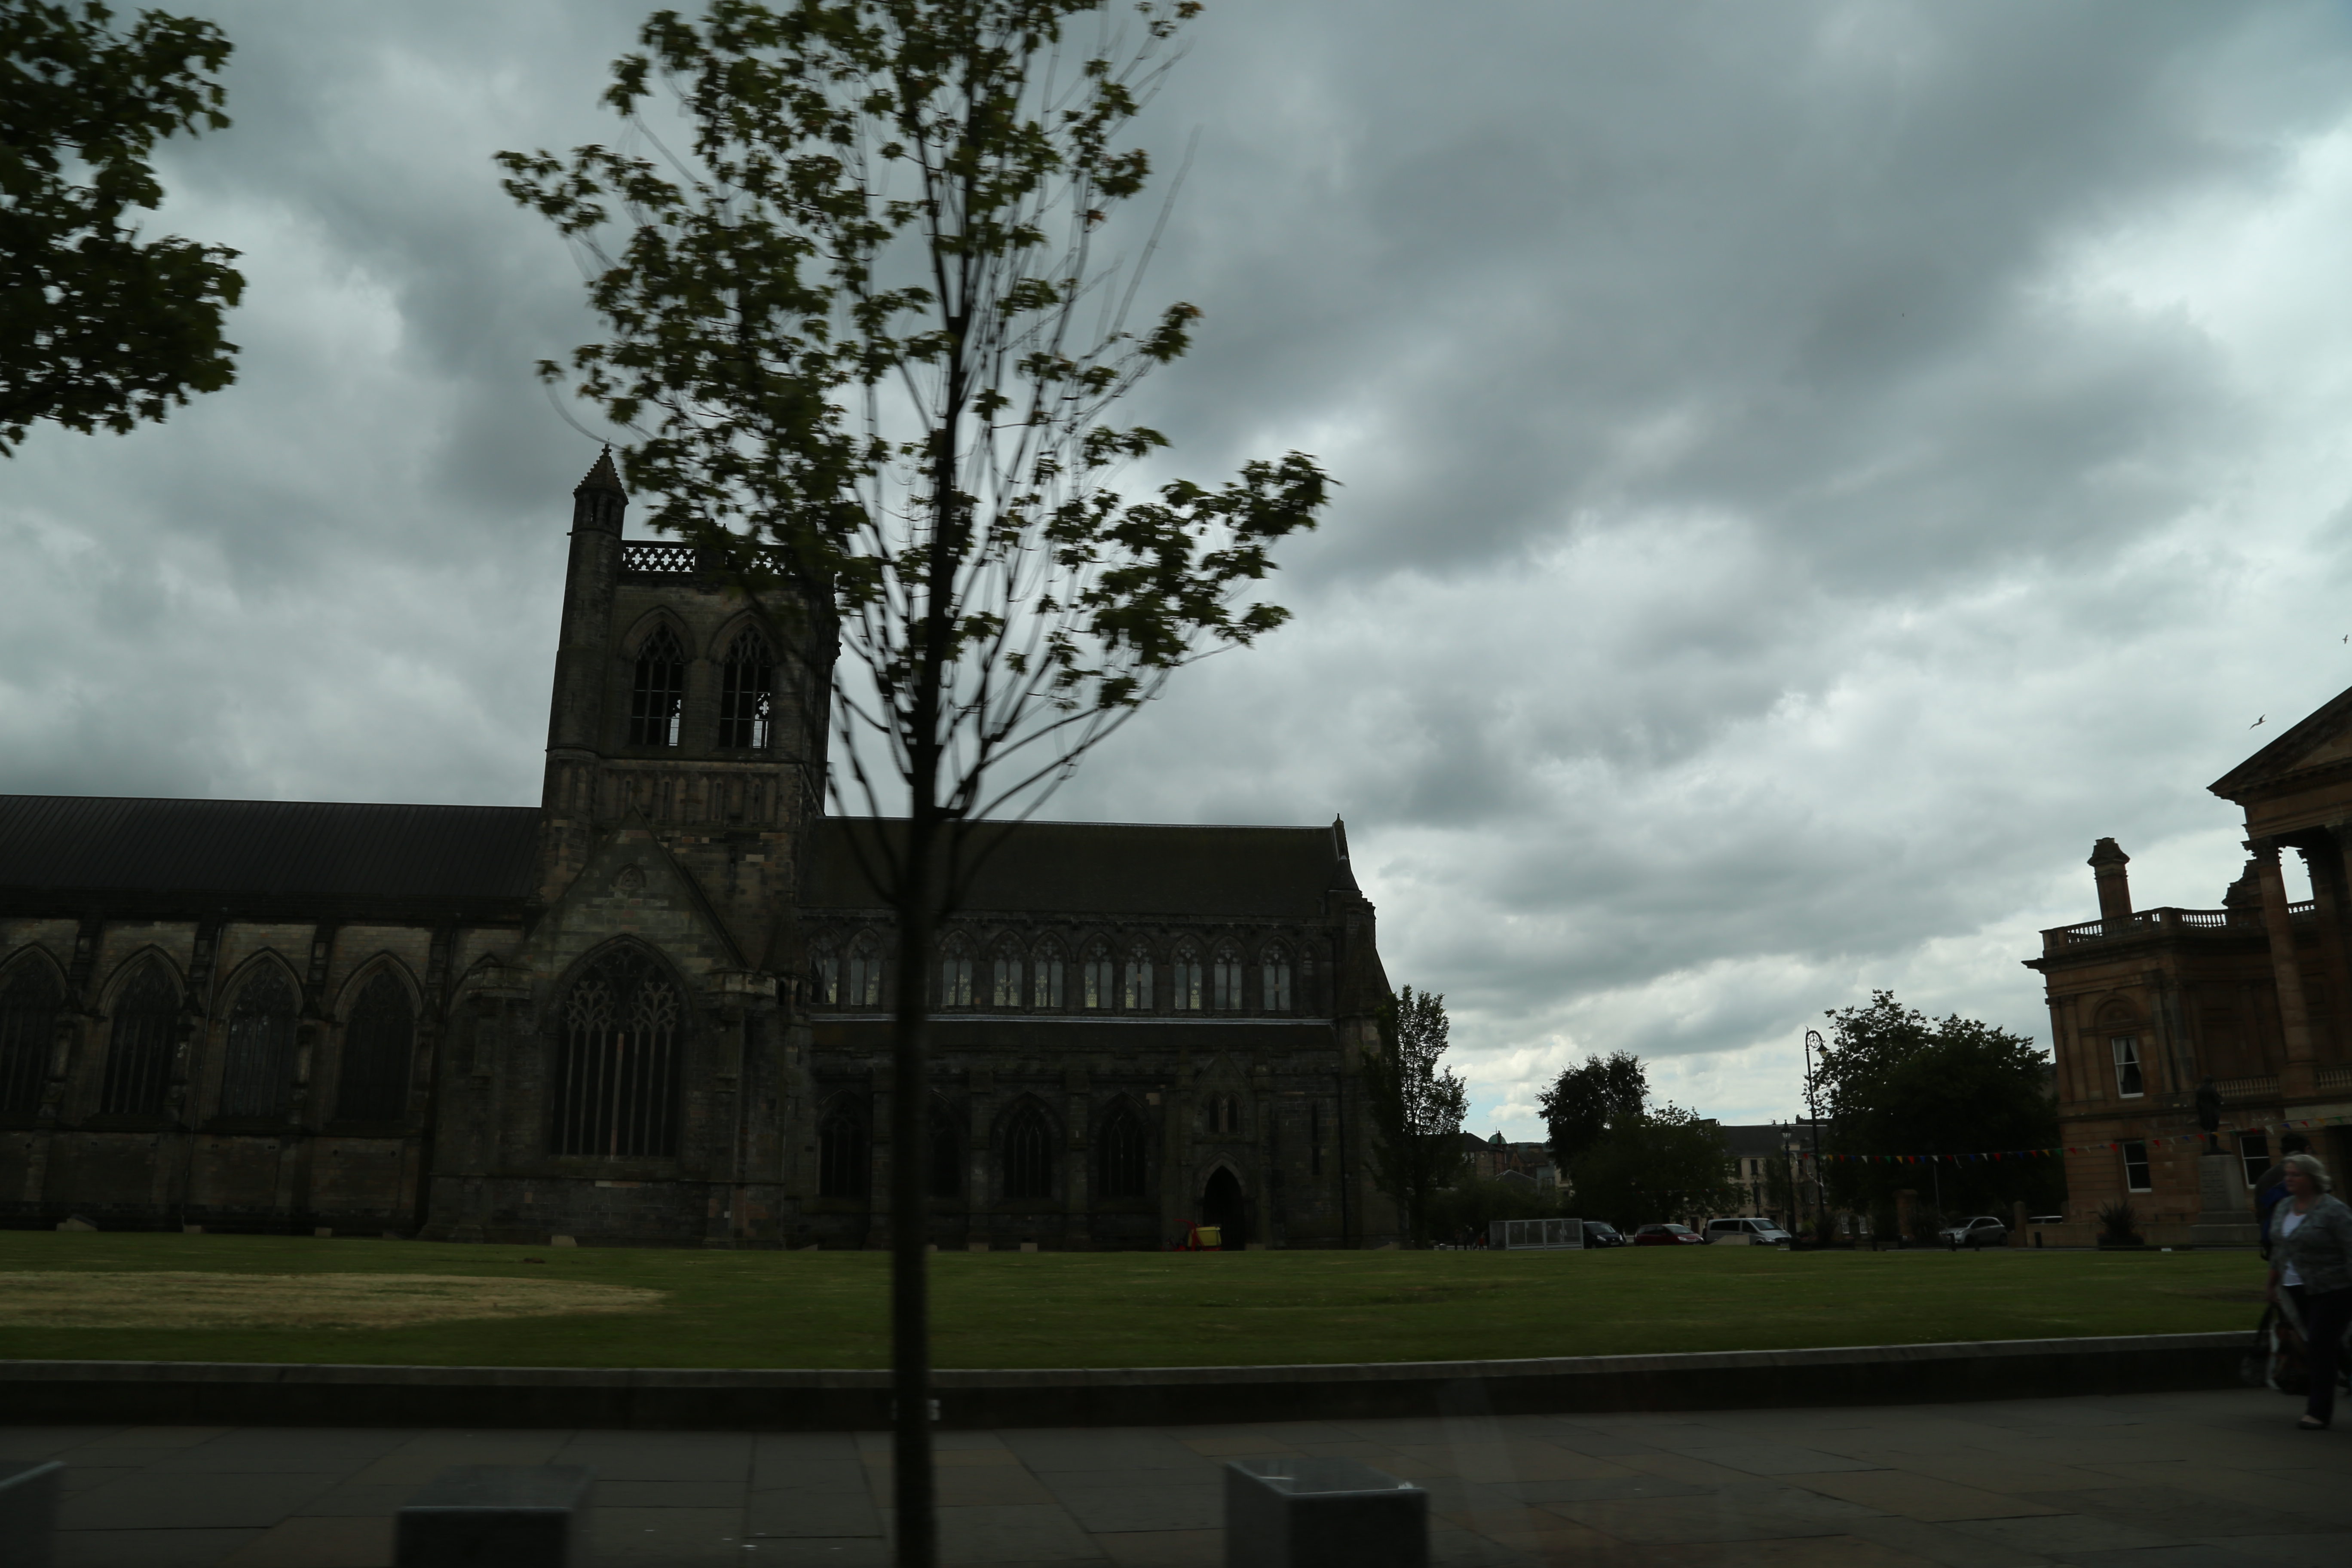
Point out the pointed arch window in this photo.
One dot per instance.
(842, 1165)
(616, 1078)
(139, 1047)
(29, 1005)
(955, 975)
(1097, 977)
(1186, 976)
(1228, 979)
(865, 974)
(1277, 980)
(747, 691)
(1045, 978)
(946, 1171)
(1136, 993)
(258, 1078)
(378, 1041)
(1029, 1154)
(657, 700)
(1005, 990)
(1122, 1151)
(824, 977)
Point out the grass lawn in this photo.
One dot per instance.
(281, 1298)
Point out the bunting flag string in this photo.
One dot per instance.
(2154, 1141)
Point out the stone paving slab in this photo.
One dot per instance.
(2204, 1480)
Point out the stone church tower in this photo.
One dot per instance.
(653, 1010)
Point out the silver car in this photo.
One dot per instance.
(1982, 1231)
(1746, 1231)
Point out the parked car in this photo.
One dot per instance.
(1601, 1233)
(1667, 1235)
(1982, 1231)
(1748, 1231)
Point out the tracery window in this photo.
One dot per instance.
(1006, 989)
(842, 1167)
(259, 1079)
(1228, 979)
(1097, 976)
(28, 1027)
(1277, 980)
(657, 700)
(139, 1048)
(1186, 976)
(1028, 1151)
(747, 688)
(955, 976)
(1120, 1149)
(378, 1041)
(1136, 995)
(1045, 978)
(946, 1153)
(824, 976)
(1225, 1113)
(865, 974)
(616, 1078)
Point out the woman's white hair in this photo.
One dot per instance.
(2310, 1165)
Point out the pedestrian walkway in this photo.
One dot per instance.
(2189, 1480)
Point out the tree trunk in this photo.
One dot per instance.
(910, 1090)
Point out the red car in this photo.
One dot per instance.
(1668, 1235)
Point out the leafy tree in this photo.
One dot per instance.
(864, 351)
(1416, 1107)
(98, 328)
(1589, 1098)
(1889, 1081)
(1463, 1210)
(1667, 1165)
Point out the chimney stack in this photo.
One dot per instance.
(2108, 863)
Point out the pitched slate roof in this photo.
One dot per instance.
(99, 843)
(1114, 867)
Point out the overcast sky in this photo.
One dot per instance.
(1810, 470)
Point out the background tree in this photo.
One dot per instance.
(1416, 1107)
(1668, 1165)
(864, 352)
(98, 328)
(1890, 1083)
(1589, 1098)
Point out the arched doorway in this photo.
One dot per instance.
(1221, 1204)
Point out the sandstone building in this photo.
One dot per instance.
(655, 1008)
(2146, 1006)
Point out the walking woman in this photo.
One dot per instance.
(2311, 1255)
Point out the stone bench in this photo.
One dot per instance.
(497, 1516)
(29, 1511)
(1303, 1512)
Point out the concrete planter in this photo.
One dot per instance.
(1303, 1512)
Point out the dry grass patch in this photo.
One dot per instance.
(126, 1300)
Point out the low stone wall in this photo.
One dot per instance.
(220, 1393)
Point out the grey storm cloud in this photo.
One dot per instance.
(1809, 470)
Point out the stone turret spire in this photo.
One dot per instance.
(598, 501)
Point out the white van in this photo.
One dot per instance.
(1747, 1232)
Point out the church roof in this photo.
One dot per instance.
(2322, 738)
(1111, 868)
(101, 844)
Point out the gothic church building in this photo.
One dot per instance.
(654, 1009)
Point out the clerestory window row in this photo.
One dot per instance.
(1102, 976)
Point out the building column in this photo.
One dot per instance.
(2299, 1074)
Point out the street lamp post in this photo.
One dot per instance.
(1813, 1115)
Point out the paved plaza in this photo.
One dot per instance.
(2162, 1481)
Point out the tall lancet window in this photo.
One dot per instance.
(29, 1005)
(746, 694)
(658, 700)
(139, 1048)
(259, 1078)
(378, 1042)
(616, 1078)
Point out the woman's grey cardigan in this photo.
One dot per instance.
(2320, 1249)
